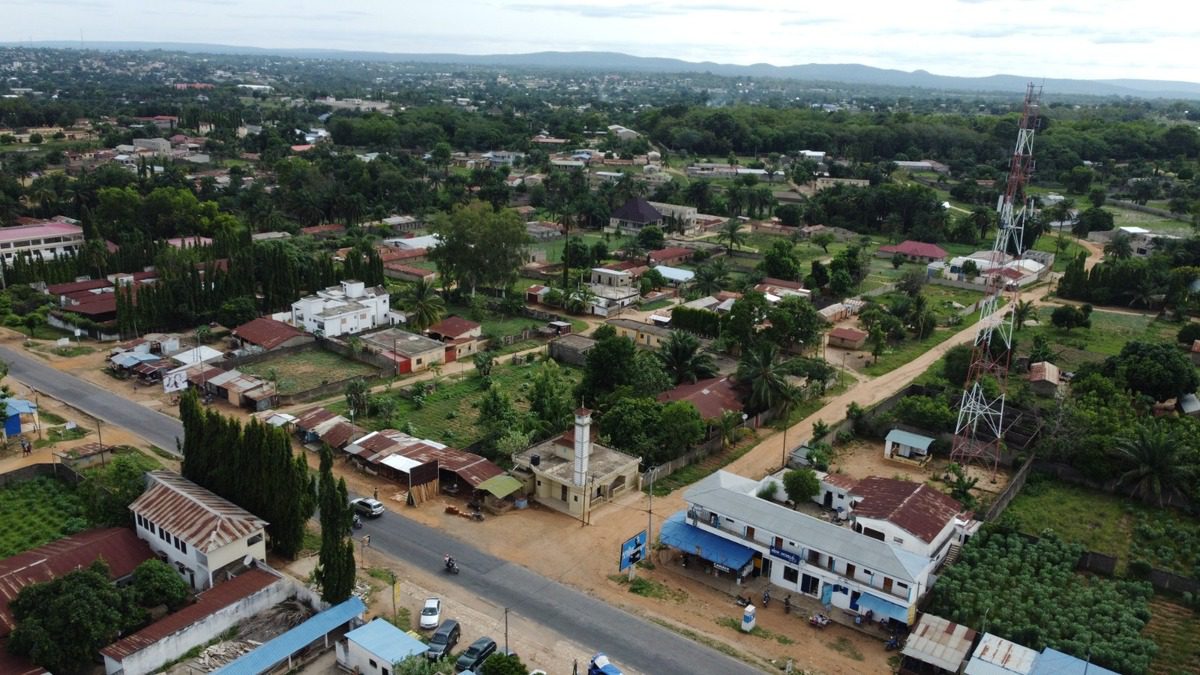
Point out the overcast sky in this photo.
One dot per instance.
(1092, 39)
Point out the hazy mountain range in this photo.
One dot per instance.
(848, 73)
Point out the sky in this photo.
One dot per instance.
(1086, 39)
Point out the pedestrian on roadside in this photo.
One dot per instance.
(377, 494)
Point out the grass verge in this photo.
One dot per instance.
(846, 648)
(757, 631)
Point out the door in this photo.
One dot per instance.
(828, 499)
(749, 532)
(564, 493)
(850, 570)
(887, 584)
(766, 568)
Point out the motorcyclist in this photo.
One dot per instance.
(449, 560)
(766, 596)
(357, 522)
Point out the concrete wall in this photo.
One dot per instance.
(169, 648)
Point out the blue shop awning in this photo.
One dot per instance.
(677, 533)
(882, 608)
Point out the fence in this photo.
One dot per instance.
(1133, 206)
(1010, 492)
(26, 473)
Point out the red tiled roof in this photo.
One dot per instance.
(452, 326)
(670, 253)
(38, 229)
(195, 515)
(848, 334)
(914, 507)
(919, 249)
(783, 283)
(118, 546)
(11, 664)
(77, 286)
(207, 603)
(712, 397)
(266, 332)
(104, 303)
(410, 270)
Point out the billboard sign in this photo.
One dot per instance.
(633, 550)
(175, 381)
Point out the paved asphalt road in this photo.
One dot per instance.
(153, 426)
(626, 638)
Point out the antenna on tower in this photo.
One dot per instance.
(980, 427)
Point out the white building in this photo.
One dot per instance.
(199, 533)
(611, 291)
(879, 565)
(374, 648)
(343, 310)
(676, 214)
(622, 133)
(46, 240)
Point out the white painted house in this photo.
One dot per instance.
(343, 310)
(375, 648)
(842, 567)
(199, 533)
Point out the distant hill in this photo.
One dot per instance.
(848, 73)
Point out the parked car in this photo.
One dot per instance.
(365, 506)
(431, 614)
(475, 655)
(444, 640)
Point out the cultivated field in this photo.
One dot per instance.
(294, 373)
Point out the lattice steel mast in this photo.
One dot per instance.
(980, 425)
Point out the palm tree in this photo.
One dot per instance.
(758, 369)
(683, 359)
(728, 423)
(423, 305)
(731, 234)
(1119, 247)
(1022, 312)
(1161, 468)
(711, 278)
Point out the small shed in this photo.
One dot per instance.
(996, 656)
(847, 338)
(938, 643)
(901, 443)
(1044, 378)
(374, 648)
(17, 412)
(1189, 404)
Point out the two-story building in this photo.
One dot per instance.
(343, 310)
(836, 565)
(633, 215)
(46, 240)
(197, 532)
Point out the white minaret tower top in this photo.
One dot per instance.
(583, 444)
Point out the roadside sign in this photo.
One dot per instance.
(633, 550)
(176, 381)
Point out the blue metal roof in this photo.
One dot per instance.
(677, 533)
(386, 642)
(1054, 662)
(18, 406)
(271, 653)
(910, 439)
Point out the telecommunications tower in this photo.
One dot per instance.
(980, 426)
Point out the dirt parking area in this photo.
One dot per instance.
(862, 459)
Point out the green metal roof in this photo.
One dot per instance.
(501, 486)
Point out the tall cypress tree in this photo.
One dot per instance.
(335, 570)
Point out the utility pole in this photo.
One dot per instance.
(653, 471)
(506, 631)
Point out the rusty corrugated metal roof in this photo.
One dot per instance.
(207, 603)
(118, 546)
(192, 513)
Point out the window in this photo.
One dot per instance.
(814, 558)
(898, 540)
(372, 662)
(791, 574)
(778, 542)
(255, 539)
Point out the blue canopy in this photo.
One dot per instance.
(882, 607)
(677, 533)
(267, 655)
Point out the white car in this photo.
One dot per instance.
(431, 614)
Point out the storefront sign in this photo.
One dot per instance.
(785, 555)
(721, 567)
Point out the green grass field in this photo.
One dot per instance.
(449, 413)
(1048, 243)
(37, 512)
(308, 369)
(1174, 629)
(1108, 334)
(1110, 524)
(1128, 217)
(909, 350)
